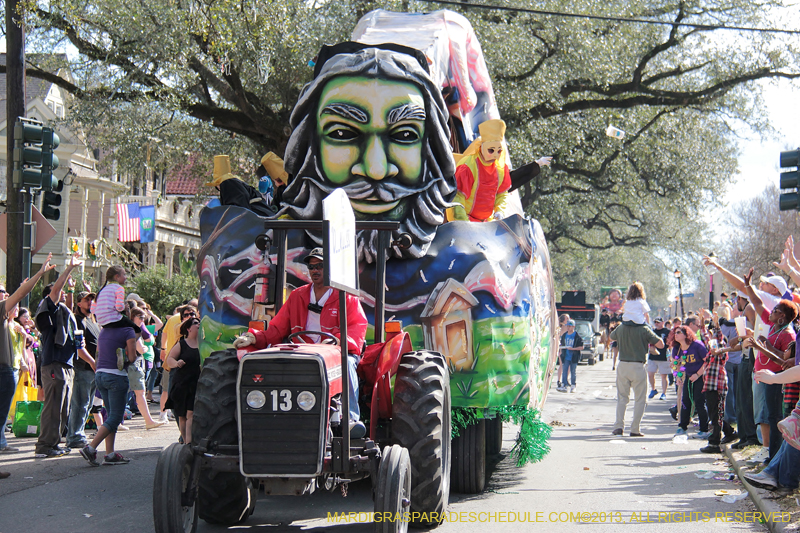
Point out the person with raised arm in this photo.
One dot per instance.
(59, 347)
(768, 398)
(8, 375)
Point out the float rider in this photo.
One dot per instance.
(483, 176)
(315, 307)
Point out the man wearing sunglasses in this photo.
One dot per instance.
(315, 307)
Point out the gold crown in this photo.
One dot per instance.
(492, 130)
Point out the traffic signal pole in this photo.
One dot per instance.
(27, 238)
(15, 107)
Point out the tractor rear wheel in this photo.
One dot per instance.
(469, 459)
(223, 497)
(421, 423)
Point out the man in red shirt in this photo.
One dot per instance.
(315, 307)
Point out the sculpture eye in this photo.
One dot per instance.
(342, 134)
(405, 136)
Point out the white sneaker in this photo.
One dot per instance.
(170, 416)
(572, 388)
(760, 457)
(163, 417)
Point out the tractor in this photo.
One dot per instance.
(273, 419)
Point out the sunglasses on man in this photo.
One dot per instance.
(316, 266)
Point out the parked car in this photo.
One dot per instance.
(592, 348)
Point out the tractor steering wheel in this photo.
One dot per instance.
(329, 338)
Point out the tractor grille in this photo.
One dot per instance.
(281, 438)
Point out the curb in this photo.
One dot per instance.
(764, 506)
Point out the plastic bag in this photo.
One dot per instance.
(27, 419)
(25, 392)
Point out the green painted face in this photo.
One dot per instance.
(372, 130)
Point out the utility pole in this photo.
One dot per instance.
(15, 107)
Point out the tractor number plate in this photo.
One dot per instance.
(280, 400)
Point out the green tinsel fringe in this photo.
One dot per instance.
(531, 445)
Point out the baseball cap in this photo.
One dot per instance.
(86, 294)
(570, 323)
(658, 319)
(316, 252)
(777, 281)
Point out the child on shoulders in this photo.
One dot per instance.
(636, 312)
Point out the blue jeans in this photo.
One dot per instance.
(114, 390)
(83, 388)
(8, 386)
(569, 366)
(355, 412)
(773, 396)
(152, 377)
(785, 466)
(732, 369)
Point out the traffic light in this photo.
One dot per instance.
(790, 180)
(51, 200)
(34, 160)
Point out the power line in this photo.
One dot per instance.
(611, 19)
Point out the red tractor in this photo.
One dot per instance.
(274, 421)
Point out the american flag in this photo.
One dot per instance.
(128, 222)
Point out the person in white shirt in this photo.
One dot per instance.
(636, 309)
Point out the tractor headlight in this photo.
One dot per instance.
(256, 399)
(306, 400)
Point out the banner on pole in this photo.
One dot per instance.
(147, 217)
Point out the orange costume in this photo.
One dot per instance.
(483, 185)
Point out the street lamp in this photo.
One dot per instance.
(680, 290)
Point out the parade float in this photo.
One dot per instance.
(382, 119)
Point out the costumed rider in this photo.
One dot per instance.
(234, 191)
(272, 179)
(315, 307)
(483, 177)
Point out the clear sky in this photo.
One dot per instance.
(759, 159)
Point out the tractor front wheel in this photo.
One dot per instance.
(174, 508)
(393, 494)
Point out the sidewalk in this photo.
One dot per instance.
(28, 472)
(770, 503)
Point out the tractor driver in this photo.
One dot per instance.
(315, 307)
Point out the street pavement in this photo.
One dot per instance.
(590, 481)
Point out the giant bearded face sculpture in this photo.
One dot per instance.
(363, 138)
(374, 124)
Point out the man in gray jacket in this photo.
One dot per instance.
(633, 341)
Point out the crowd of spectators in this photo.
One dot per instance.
(733, 368)
(94, 360)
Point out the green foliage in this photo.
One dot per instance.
(223, 77)
(165, 293)
(531, 443)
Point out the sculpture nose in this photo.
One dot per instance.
(374, 163)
